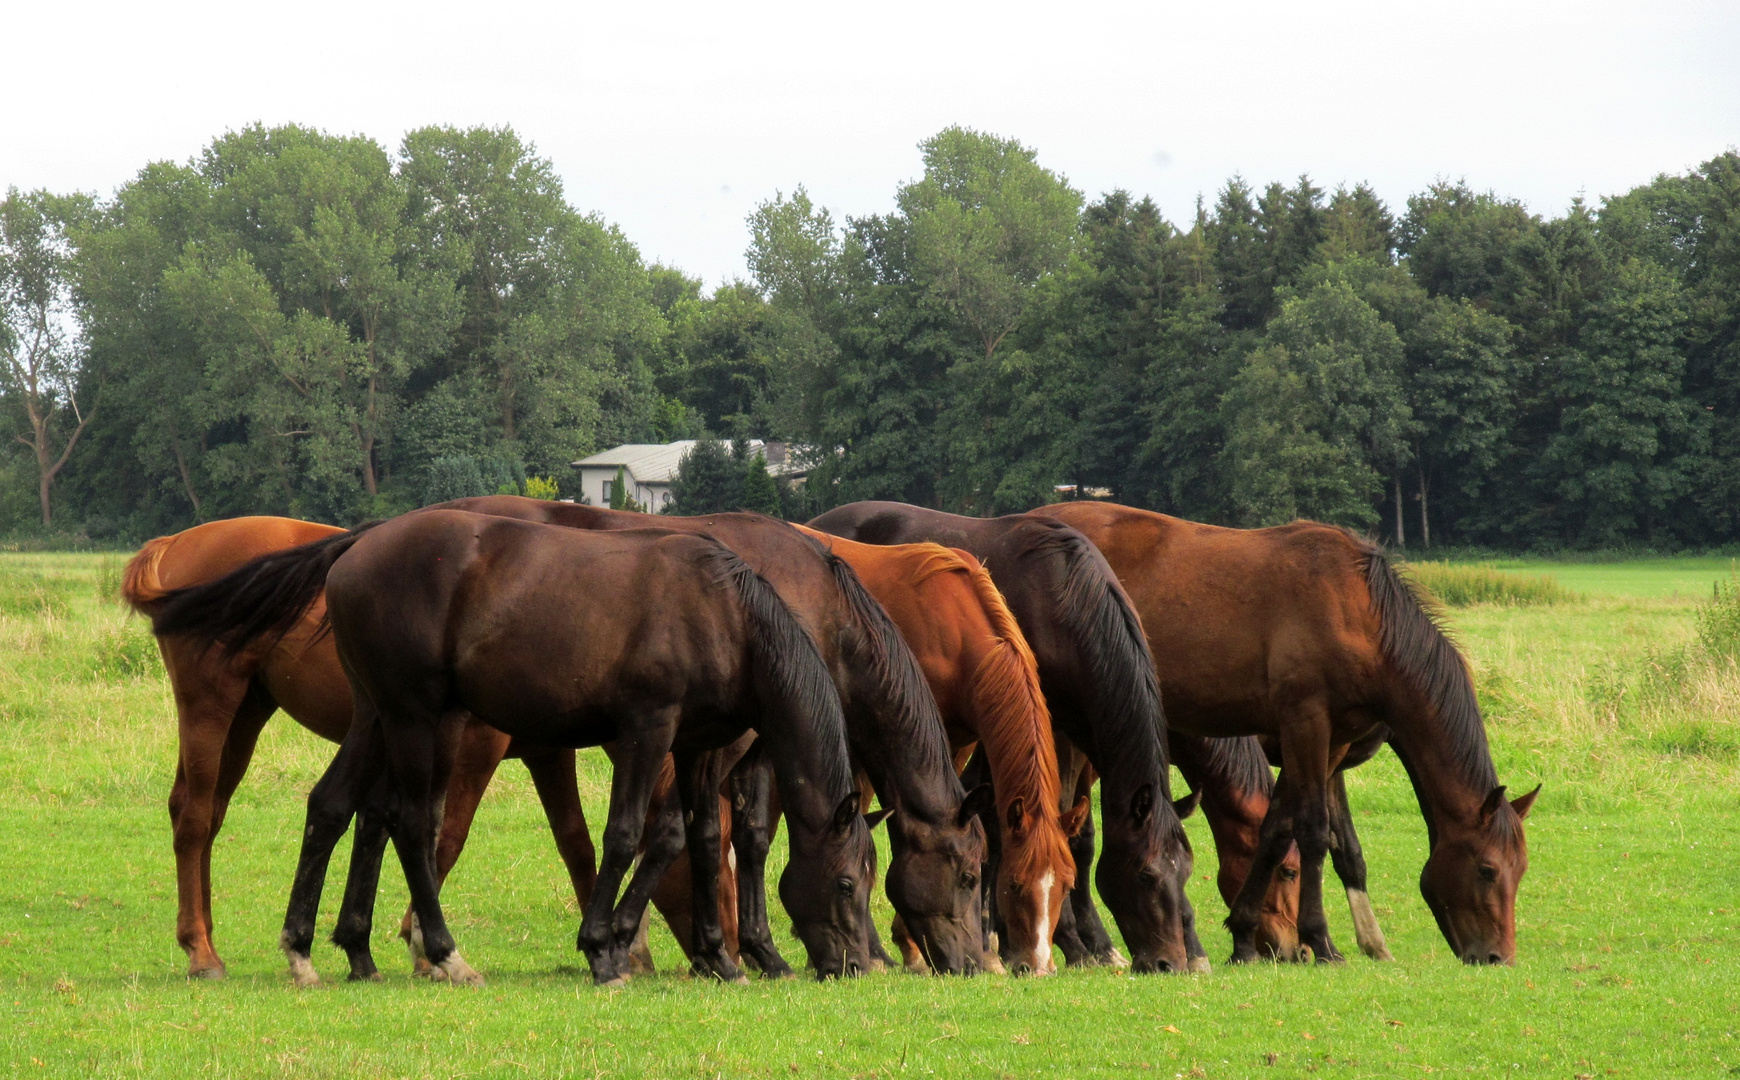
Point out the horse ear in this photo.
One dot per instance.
(1187, 805)
(877, 817)
(846, 814)
(978, 801)
(1141, 805)
(1522, 804)
(1015, 818)
(1076, 817)
(1494, 799)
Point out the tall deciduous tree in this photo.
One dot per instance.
(41, 354)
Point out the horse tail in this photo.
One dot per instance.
(259, 600)
(1006, 694)
(1421, 652)
(141, 585)
(786, 664)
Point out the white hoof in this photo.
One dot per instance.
(455, 970)
(1201, 965)
(1118, 961)
(302, 970)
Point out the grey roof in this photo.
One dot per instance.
(656, 463)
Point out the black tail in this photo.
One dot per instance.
(258, 601)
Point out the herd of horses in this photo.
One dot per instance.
(973, 678)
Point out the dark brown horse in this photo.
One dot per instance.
(1305, 634)
(1099, 683)
(442, 614)
(897, 734)
(223, 702)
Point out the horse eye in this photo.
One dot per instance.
(968, 881)
(1489, 873)
(844, 885)
(1289, 874)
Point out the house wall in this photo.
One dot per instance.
(594, 483)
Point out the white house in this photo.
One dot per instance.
(650, 468)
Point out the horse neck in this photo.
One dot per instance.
(1451, 775)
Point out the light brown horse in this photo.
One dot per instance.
(221, 706)
(986, 684)
(1305, 634)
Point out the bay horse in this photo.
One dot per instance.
(441, 614)
(222, 704)
(1307, 635)
(896, 733)
(986, 683)
(1099, 684)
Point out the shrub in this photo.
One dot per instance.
(125, 650)
(28, 595)
(1463, 584)
(542, 487)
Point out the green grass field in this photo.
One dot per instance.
(1627, 928)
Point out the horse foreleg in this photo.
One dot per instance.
(1305, 752)
(698, 780)
(754, 816)
(553, 775)
(638, 755)
(1349, 861)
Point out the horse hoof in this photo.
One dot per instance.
(456, 971)
(993, 966)
(212, 973)
(1201, 965)
(302, 970)
(1117, 960)
(1380, 953)
(615, 982)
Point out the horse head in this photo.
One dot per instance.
(826, 889)
(933, 883)
(1471, 877)
(1142, 871)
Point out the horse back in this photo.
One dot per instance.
(547, 633)
(1238, 619)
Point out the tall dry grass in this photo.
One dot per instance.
(1466, 584)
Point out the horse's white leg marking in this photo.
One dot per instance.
(458, 972)
(301, 966)
(1365, 926)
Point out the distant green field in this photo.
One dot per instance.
(1689, 577)
(1627, 925)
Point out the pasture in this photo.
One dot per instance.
(1626, 931)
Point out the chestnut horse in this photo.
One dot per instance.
(1099, 683)
(984, 677)
(439, 615)
(221, 706)
(1306, 634)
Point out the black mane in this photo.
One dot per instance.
(1417, 645)
(1105, 627)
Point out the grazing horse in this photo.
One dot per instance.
(440, 615)
(1307, 635)
(897, 735)
(983, 675)
(1099, 683)
(222, 703)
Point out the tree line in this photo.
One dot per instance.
(306, 324)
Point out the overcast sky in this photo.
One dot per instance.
(674, 119)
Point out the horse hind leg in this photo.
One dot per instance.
(210, 709)
(1349, 861)
(360, 760)
(698, 779)
(374, 823)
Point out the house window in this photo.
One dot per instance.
(604, 495)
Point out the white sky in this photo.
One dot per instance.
(674, 119)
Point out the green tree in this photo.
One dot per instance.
(760, 491)
(41, 355)
(708, 481)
